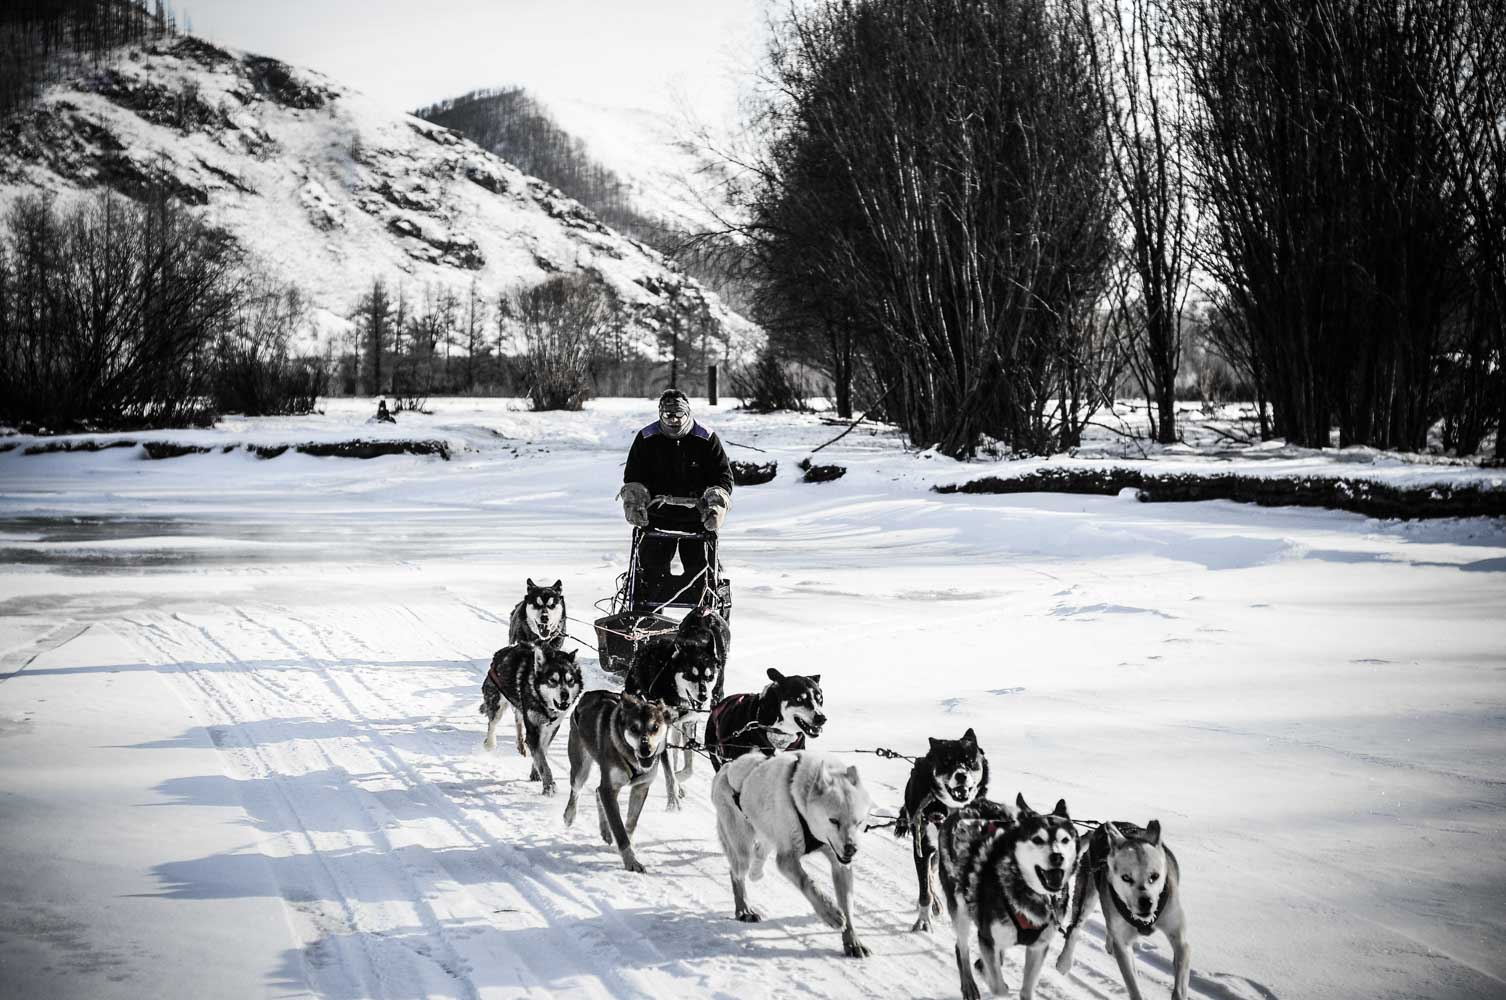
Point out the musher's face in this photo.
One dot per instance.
(674, 417)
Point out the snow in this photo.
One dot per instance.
(240, 750)
(330, 198)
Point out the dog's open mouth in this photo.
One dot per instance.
(808, 728)
(1052, 878)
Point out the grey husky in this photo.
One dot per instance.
(624, 736)
(540, 682)
(1007, 872)
(1137, 880)
(539, 616)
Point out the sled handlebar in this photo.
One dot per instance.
(669, 501)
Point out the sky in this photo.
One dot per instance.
(669, 56)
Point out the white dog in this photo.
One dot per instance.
(793, 804)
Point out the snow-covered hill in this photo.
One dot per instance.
(326, 188)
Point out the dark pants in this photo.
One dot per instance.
(655, 553)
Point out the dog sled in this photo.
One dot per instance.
(636, 613)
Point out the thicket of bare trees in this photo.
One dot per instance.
(937, 213)
(255, 370)
(561, 322)
(109, 311)
(985, 213)
(38, 37)
(1347, 158)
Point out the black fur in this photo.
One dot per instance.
(697, 651)
(741, 723)
(517, 674)
(550, 599)
(925, 808)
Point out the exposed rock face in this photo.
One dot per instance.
(327, 190)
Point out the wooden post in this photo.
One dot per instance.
(711, 384)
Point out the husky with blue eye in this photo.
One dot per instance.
(1136, 878)
(1007, 873)
(539, 616)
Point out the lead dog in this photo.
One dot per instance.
(540, 682)
(1006, 871)
(950, 775)
(539, 616)
(792, 804)
(1137, 880)
(623, 735)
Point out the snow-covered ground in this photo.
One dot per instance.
(240, 754)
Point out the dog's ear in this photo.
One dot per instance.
(1116, 838)
(1021, 804)
(632, 700)
(852, 775)
(571, 655)
(559, 585)
(815, 678)
(970, 736)
(532, 585)
(1061, 809)
(1153, 832)
(775, 675)
(933, 741)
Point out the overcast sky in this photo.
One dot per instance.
(655, 54)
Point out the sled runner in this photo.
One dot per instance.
(635, 613)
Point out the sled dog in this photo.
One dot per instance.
(540, 682)
(624, 736)
(1006, 872)
(792, 805)
(780, 717)
(539, 616)
(950, 775)
(1136, 879)
(683, 671)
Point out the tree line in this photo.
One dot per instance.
(986, 216)
(39, 37)
(119, 313)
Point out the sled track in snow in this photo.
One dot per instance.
(410, 862)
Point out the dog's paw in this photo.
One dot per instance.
(1064, 962)
(672, 803)
(548, 788)
(533, 774)
(852, 947)
(922, 925)
(748, 915)
(632, 864)
(522, 749)
(489, 744)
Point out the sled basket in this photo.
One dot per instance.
(618, 636)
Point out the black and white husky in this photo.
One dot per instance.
(683, 672)
(540, 682)
(1137, 880)
(780, 717)
(948, 777)
(539, 616)
(1007, 872)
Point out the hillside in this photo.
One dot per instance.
(326, 189)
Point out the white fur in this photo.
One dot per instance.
(760, 802)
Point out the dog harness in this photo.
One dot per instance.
(736, 717)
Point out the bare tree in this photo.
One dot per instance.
(561, 322)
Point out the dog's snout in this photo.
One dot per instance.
(1056, 859)
(820, 718)
(1146, 904)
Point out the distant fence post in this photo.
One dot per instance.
(711, 384)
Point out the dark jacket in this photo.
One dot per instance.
(683, 467)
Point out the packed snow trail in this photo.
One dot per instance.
(240, 748)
